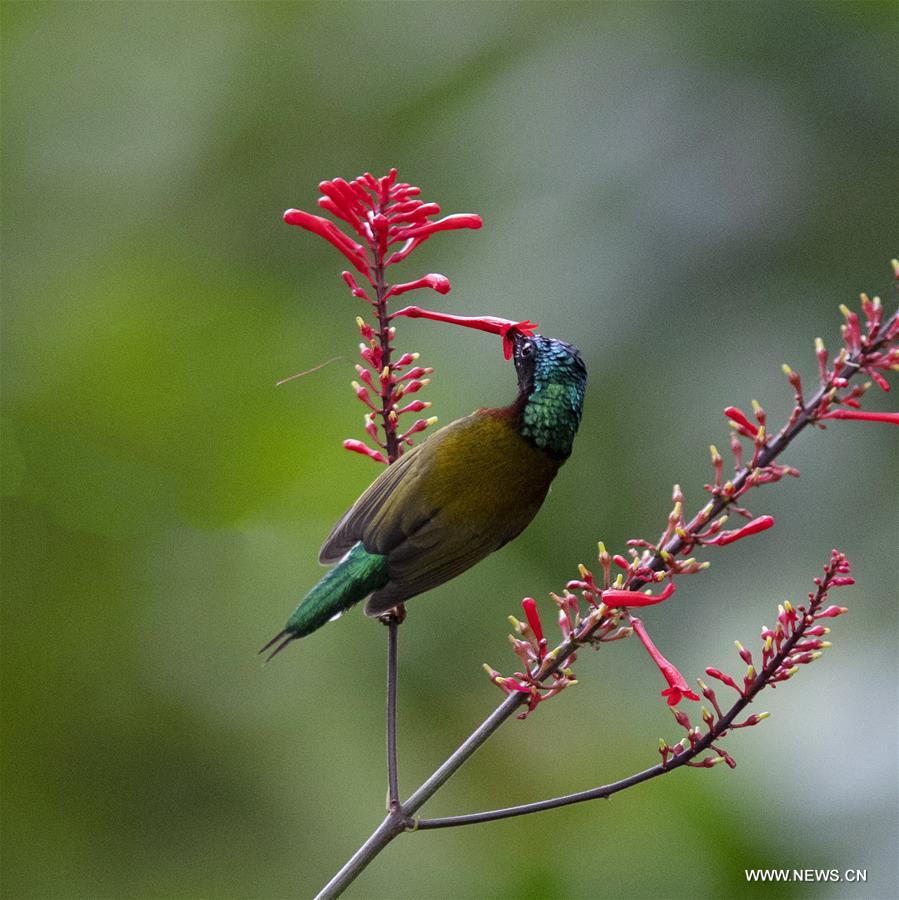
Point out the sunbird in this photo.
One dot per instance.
(465, 491)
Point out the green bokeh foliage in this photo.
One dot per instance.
(685, 190)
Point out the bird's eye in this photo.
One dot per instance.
(527, 349)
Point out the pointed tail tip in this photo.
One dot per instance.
(287, 636)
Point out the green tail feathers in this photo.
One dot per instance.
(356, 576)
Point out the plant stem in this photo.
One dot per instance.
(718, 730)
(400, 818)
(393, 791)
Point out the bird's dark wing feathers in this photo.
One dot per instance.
(361, 515)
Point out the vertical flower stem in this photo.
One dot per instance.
(390, 438)
(393, 791)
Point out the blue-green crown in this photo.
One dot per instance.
(552, 379)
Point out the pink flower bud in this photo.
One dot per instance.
(831, 612)
(726, 679)
(357, 291)
(365, 450)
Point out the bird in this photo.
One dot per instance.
(457, 497)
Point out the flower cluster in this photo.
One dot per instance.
(796, 640)
(871, 351)
(384, 214)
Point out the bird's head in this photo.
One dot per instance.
(540, 361)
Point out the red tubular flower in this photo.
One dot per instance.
(529, 605)
(860, 415)
(332, 234)
(505, 328)
(677, 684)
(738, 416)
(623, 599)
(762, 523)
(439, 283)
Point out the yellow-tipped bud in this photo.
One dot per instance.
(756, 406)
(716, 456)
(583, 570)
(845, 310)
(819, 345)
(360, 322)
(788, 606)
(663, 744)
(619, 581)
(415, 356)
(826, 644)
(816, 655)
(666, 556)
(786, 370)
(762, 715)
(514, 623)
(433, 420)
(385, 373)
(739, 646)
(716, 761)
(705, 565)
(601, 548)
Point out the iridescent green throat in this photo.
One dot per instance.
(553, 397)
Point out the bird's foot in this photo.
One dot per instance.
(396, 615)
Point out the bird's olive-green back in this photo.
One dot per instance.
(447, 504)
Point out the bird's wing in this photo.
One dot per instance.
(403, 518)
(432, 555)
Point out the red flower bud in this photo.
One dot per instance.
(365, 450)
(762, 523)
(331, 233)
(439, 283)
(738, 416)
(860, 415)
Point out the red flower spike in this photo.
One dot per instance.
(860, 415)
(505, 328)
(677, 684)
(762, 523)
(615, 598)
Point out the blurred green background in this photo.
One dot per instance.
(687, 191)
